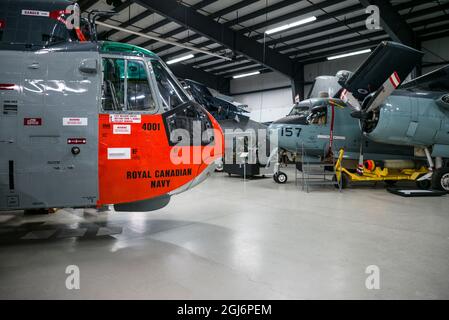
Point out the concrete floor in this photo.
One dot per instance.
(229, 239)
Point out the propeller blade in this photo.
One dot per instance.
(384, 92)
(348, 98)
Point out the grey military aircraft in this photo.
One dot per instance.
(397, 122)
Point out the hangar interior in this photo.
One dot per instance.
(239, 236)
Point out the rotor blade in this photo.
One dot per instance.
(384, 92)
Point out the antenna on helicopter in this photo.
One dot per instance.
(92, 18)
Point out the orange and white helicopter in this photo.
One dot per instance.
(85, 123)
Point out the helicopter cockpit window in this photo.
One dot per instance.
(126, 86)
(113, 98)
(171, 92)
(318, 115)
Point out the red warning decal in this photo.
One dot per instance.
(32, 121)
(2, 24)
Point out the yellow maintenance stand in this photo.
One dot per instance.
(390, 176)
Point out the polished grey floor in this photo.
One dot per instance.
(229, 239)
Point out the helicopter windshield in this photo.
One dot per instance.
(170, 89)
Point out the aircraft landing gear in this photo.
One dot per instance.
(220, 165)
(440, 179)
(280, 177)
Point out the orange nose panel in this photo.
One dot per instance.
(135, 158)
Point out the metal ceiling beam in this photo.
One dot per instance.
(203, 4)
(163, 22)
(219, 13)
(437, 28)
(217, 32)
(235, 7)
(218, 83)
(146, 30)
(140, 16)
(86, 4)
(434, 36)
(260, 12)
(392, 22)
(321, 56)
(230, 68)
(346, 22)
(224, 63)
(332, 26)
(326, 37)
(270, 22)
(304, 11)
(338, 43)
(246, 70)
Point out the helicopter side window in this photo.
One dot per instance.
(139, 96)
(126, 86)
(113, 84)
(318, 115)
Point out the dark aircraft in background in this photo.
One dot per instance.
(230, 115)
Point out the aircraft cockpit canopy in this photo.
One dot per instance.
(324, 84)
(301, 109)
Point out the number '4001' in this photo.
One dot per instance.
(151, 126)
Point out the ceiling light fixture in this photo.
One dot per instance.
(175, 60)
(344, 55)
(291, 25)
(245, 74)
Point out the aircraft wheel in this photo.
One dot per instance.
(220, 165)
(440, 179)
(424, 184)
(280, 177)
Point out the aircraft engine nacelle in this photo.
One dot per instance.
(405, 120)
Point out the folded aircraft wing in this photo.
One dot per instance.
(387, 59)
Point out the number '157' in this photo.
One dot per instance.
(289, 132)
